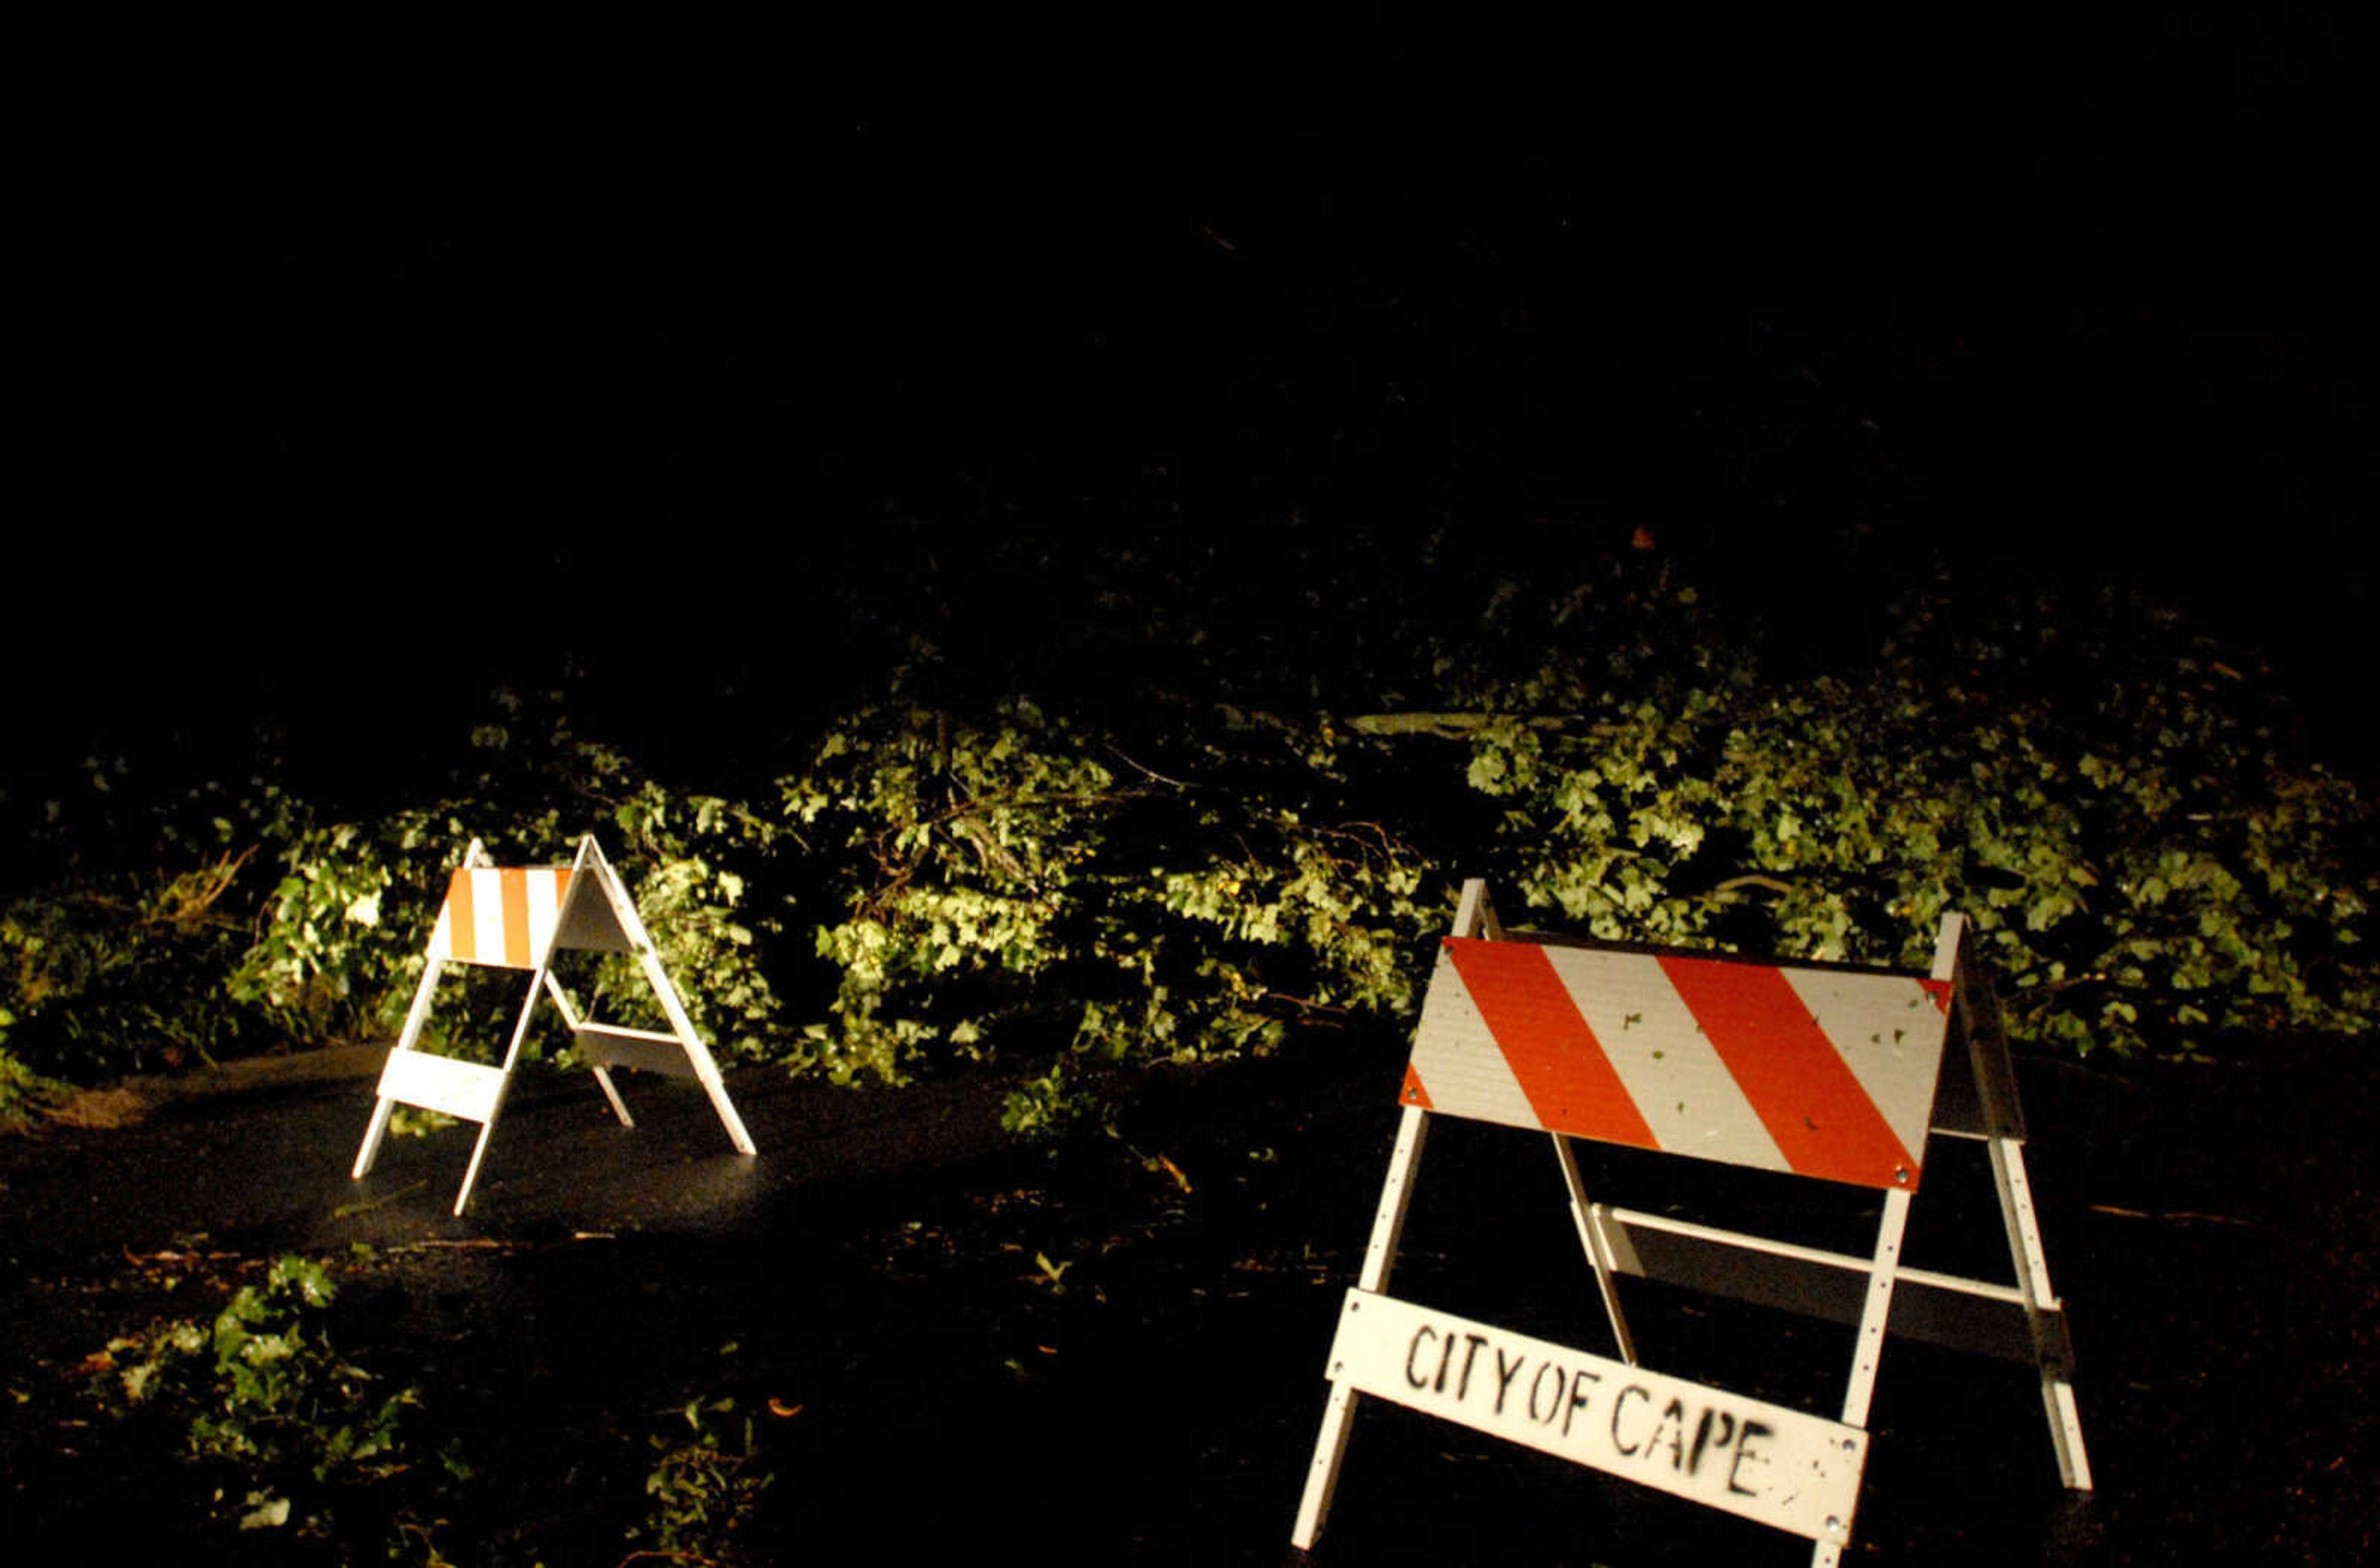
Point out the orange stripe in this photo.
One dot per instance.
(1823, 1122)
(1561, 1066)
(512, 883)
(1414, 1093)
(460, 931)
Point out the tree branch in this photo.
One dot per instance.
(1458, 727)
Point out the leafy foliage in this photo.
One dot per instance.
(1024, 880)
(702, 1491)
(278, 1428)
(23, 1092)
(1128, 876)
(344, 925)
(2111, 807)
(287, 925)
(98, 969)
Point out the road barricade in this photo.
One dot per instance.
(519, 917)
(1825, 1072)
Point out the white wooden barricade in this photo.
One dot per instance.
(1831, 1074)
(518, 917)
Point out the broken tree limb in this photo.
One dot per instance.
(1459, 727)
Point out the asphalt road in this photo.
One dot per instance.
(1116, 1356)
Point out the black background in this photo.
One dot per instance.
(708, 374)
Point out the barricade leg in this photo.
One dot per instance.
(1867, 1353)
(512, 1059)
(413, 1018)
(1598, 1254)
(706, 1070)
(1379, 1258)
(374, 1131)
(1474, 915)
(478, 1154)
(571, 1020)
(2032, 1277)
(1996, 1086)
(611, 1093)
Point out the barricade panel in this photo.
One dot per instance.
(1743, 1456)
(646, 1050)
(468, 1089)
(1822, 1073)
(501, 916)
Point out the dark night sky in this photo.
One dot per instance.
(685, 356)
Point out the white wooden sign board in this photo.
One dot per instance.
(519, 917)
(1765, 1461)
(1828, 1074)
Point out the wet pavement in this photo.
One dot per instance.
(1117, 1356)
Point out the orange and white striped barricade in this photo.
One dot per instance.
(1826, 1072)
(518, 917)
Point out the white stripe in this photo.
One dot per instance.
(1889, 1034)
(544, 909)
(1683, 1089)
(442, 935)
(488, 916)
(1459, 1062)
